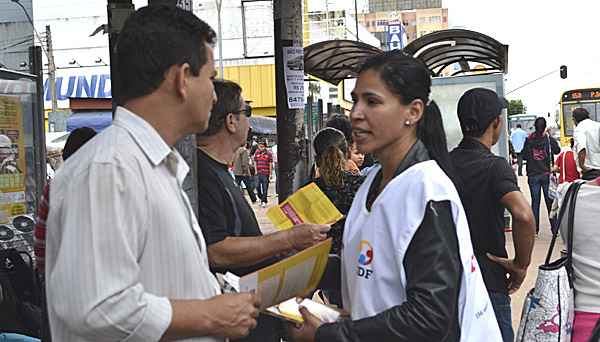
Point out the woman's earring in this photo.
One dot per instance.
(407, 123)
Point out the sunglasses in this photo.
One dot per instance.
(246, 111)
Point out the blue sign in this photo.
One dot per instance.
(93, 86)
(395, 36)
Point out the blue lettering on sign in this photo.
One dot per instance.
(80, 86)
(89, 88)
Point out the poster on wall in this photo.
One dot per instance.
(12, 159)
(293, 61)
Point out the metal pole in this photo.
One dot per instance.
(118, 12)
(39, 147)
(244, 42)
(51, 70)
(291, 149)
(220, 38)
(356, 18)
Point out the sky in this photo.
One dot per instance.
(542, 36)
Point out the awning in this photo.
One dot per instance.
(335, 60)
(263, 125)
(98, 120)
(441, 49)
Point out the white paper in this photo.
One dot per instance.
(293, 66)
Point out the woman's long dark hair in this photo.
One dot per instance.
(410, 79)
(331, 150)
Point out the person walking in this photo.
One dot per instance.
(241, 171)
(408, 268)
(539, 151)
(264, 161)
(517, 139)
(125, 257)
(587, 143)
(488, 188)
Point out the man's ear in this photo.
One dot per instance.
(180, 75)
(231, 123)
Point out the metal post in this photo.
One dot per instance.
(39, 147)
(51, 69)
(118, 12)
(287, 17)
(220, 38)
(356, 18)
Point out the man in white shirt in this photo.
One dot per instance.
(587, 143)
(125, 257)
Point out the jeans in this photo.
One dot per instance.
(4, 337)
(520, 163)
(537, 184)
(263, 187)
(249, 184)
(501, 304)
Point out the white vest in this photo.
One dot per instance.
(375, 242)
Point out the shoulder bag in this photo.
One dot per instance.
(548, 309)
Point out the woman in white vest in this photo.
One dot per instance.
(408, 269)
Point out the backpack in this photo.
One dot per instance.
(19, 294)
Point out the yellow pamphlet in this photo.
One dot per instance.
(307, 205)
(296, 276)
(290, 310)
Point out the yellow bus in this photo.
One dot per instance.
(588, 98)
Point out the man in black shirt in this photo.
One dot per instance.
(489, 185)
(235, 242)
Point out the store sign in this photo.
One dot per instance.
(396, 37)
(87, 85)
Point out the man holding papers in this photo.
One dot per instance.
(235, 242)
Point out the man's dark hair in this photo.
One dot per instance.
(229, 97)
(580, 114)
(342, 123)
(519, 126)
(154, 39)
(76, 139)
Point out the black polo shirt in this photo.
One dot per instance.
(485, 179)
(216, 215)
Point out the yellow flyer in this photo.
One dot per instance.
(307, 205)
(296, 276)
(12, 158)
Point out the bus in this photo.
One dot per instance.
(588, 98)
(525, 120)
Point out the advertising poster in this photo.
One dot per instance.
(293, 60)
(12, 158)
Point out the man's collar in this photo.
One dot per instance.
(472, 144)
(147, 138)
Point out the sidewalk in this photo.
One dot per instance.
(539, 252)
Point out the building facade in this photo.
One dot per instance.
(16, 35)
(402, 5)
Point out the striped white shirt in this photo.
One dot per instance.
(122, 238)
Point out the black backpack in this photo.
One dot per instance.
(19, 294)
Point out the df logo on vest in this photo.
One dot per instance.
(365, 258)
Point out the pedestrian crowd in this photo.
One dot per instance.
(420, 255)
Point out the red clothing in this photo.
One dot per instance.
(568, 167)
(263, 160)
(39, 245)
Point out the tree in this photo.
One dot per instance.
(516, 107)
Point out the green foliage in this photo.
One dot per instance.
(516, 107)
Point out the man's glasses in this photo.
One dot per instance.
(246, 111)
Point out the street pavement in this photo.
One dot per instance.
(542, 243)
